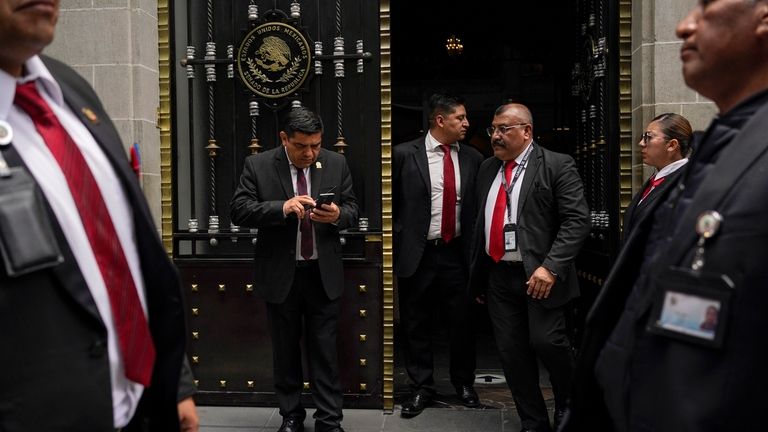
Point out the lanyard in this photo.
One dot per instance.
(508, 188)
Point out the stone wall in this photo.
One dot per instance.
(657, 80)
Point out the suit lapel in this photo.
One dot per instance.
(100, 126)
(464, 173)
(746, 149)
(484, 182)
(316, 174)
(631, 211)
(284, 172)
(534, 161)
(420, 157)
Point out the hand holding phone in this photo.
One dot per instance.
(324, 198)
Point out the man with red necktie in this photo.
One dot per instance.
(90, 305)
(433, 210)
(299, 271)
(532, 221)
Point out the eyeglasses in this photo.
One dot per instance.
(503, 129)
(647, 137)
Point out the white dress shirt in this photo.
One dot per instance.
(294, 176)
(511, 216)
(435, 160)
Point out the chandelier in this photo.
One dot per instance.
(453, 46)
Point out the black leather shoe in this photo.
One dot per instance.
(468, 396)
(416, 405)
(291, 425)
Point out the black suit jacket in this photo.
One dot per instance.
(265, 185)
(692, 387)
(412, 201)
(55, 364)
(637, 210)
(552, 221)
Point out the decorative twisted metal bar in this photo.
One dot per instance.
(212, 147)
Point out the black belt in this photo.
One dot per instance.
(306, 263)
(439, 242)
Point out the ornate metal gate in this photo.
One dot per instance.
(235, 68)
(602, 89)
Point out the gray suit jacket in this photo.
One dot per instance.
(552, 220)
(265, 185)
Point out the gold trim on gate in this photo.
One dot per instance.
(625, 105)
(164, 124)
(388, 315)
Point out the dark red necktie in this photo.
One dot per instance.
(652, 183)
(130, 323)
(448, 223)
(496, 238)
(307, 244)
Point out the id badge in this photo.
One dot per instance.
(691, 306)
(510, 237)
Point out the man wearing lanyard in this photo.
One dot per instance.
(528, 232)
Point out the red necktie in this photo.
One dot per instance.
(448, 223)
(307, 244)
(652, 183)
(496, 240)
(130, 323)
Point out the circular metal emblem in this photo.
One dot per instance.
(273, 60)
(708, 223)
(6, 133)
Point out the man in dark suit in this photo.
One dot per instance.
(532, 222)
(433, 220)
(298, 260)
(90, 305)
(706, 239)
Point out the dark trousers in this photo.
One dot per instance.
(440, 282)
(524, 329)
(306, 309)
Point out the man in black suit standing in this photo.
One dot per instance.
(532, 222)
(704, 242)
(90, 305)
(433, 208)
(298, 261)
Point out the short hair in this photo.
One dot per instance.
(302, 120)
(443, 104)
(675, 126)
(522, 111)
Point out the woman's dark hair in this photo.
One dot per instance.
(677, 127)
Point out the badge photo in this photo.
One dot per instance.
(691, 306)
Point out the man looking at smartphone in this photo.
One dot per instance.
(298, 261)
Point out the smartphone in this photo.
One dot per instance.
(324, 198)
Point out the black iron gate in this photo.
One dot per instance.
(238, 66)
(602, 90)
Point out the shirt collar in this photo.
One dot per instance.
(434, 145)
(34, 70)
(670, 168)
(521, 156)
